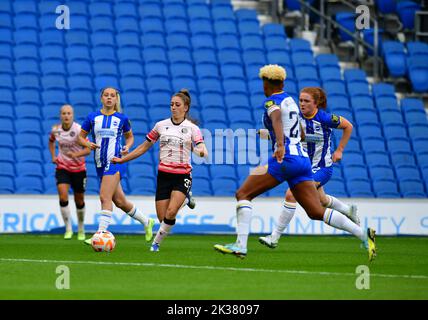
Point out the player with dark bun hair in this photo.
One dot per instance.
(178, 137)
(317, 125)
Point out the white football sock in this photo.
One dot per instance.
(339, 221)
(136, 214)
(163, 231)
(287, 213)
(244, 210)
(81, 219)
(338, 205)
(65, 212)
(104, 220)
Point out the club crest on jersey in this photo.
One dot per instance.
(269, 104)
(72, 134)
(334, 118)
(184, 130)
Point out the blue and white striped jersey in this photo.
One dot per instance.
(318, 129)
(107, 131)
(290, 121)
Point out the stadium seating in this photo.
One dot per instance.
(150, 49)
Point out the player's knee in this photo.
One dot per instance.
(80, 204)
(324, 201)
(120, 203)
(170, 213)
(315, 214)
(105, 199)
(289, 196)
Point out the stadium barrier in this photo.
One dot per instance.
(24, 213)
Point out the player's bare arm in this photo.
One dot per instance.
(279, 134)
(139, 151)
(347, 127)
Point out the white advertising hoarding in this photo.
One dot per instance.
(29, 213)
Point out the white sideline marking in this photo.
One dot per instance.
(180, 266)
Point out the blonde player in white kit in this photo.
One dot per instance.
(178, 138)
(70, 168)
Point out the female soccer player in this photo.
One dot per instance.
(290, 162)
(70, 169)
(317, 126)
(176, 135)
(108, 125)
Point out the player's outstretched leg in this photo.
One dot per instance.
(348, 210)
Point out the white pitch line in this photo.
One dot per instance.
(181, 266)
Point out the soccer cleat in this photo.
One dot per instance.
(369, 243)
(154, 247)
(231, 248)
(88, 241)
(68, 235)
(268, 242)
(192, 203)
(149, 230)
(81, 236)
(353, 215)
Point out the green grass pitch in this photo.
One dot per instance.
(187, 267)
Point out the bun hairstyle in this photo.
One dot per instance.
(318, 95)
(184, 94)
(117, 107)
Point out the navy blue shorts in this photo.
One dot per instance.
(322, 175)
(293, 169)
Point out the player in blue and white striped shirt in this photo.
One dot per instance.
(317, 125)
(107, 127)
(289, 163)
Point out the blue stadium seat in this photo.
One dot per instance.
(26, 51)
(28, 111)
(228, 41)
(77, 82)
(234, 86)
(370, 131)
(279, 57)
(398, 145)
(412, 188)
(407, 171)
(381, 172)
(308, 83)
(213, 100)
(224, 187)
(249, 28)
(131, 69)
(6, 36)
(373, 144)
(201, 186)
(213, 114)
(27, 96)
(142, 186)
(236, 100)
(161, 99)
(364, 117)
(180, 55)
(223, 12)
(224, 27)
(336, 188)
(360, 103)
(141, 170)
(7, 169)
(207, 71)
(158, 84)
(358, 89)
(330, 73)
(26, 21)
(391, 117)
(300, 45)
(153, 27)
(394, 131)
(386, 104)
(306, 73)
(415, 118)
(6, 185)
(406, 11)
(395, 57)
(335, 88)
(176, 26)
(205, 57)
(383, 90)
(29, 169)
(359, 188)
(418, 131)
(274, 29)
(229, 57)
(346, 20)
(54, 82)
(353, 158)
(403, 158)
(252, 43)
(174, 11)
(6, 66)
(6, 140)
(201, 27)
(81, 97)
(420, 145)
(210, 86)
(301, 59)
(355, 75)
(127, 39)
(134, 98)
(24, 36)
(418, 73)
(385, 188)
(355, 172)
(417, 48)
(181, 70)
(377, 158)
(53, 67)
(290, 87)
(26, 66)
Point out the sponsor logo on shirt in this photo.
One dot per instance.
(106, 133)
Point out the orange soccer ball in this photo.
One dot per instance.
(103, 241)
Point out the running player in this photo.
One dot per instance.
(70, 169)
(289, 163)
(178, 137)
(107, 126)
(317, 127)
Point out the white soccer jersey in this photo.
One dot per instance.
(176, 142)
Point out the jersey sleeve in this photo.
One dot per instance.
(126, 125)
(197, 135)
(51, 134)
(271, 106)
(87, 124)
(153, 135)
(330, 120)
